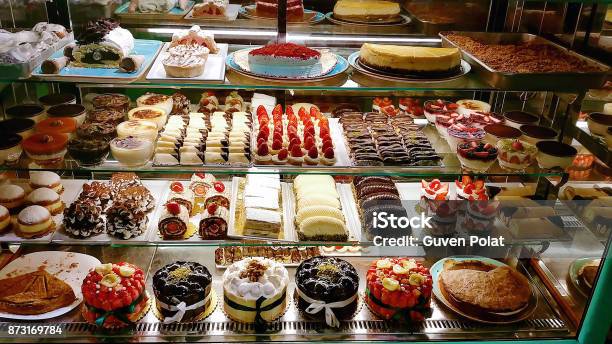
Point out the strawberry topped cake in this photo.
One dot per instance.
(515, 154)
(433, 108)
(399, 289)
(285, 59)
(295, 139)
(471, 189)
(412, 107)
(476, 156)
(114, 295)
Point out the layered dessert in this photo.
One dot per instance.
(482, 119)
(75, 111)
(34, 293)
(47, 198)
(366, 11)
(444, 121)
(496, 132)
(515, 154)
(433, 108)
(182, 291)
(46, 149)
(103, 44)
(34, 221)
(410, 59)
(160, 101)
(553, 154)
(399, 289)
(138, 128)
(378, 103)
(114, 101)
(536, 133)
(318, 210)
(149, 113)
(459, 133)
(23, 127)
(92, 130)
(411, 107)
(60, 125)
(132, 151)
(516, 119)
(255, 290)
(34, 112)
(476, 156)
(284, 59)
(269, 9)
(114, 295)
(331, 281)
(469, 106)
(88, 152)
(471, 189)
(260, 212)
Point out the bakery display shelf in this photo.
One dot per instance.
(292, 326)
(562, 81)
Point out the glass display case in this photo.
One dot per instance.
(295, 170)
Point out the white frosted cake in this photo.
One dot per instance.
(285, 59)
(261, 208)
(252, 282)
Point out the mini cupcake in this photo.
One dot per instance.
(476, 156)
(47, 198)
(10, 149)
(46, 149)
(34, 222)
(12, 196)
(515, 154)
(74, 111)
(5, 220)
(46, 179)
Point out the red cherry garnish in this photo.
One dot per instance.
(177, 187)
(173, 208)
(219, 186)
(283, 154)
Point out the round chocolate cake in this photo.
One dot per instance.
(330, 280)
(179, 282)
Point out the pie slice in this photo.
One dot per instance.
(34, 293)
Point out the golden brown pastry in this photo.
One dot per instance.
(34, 293)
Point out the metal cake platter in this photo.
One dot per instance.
(353, 60)
(401, 21)
(332, 65)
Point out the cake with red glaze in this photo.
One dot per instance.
(284, 59)
(399, 289)
(269, 9)
(114, 295)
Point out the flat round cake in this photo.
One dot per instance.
(366, 10)
(410, 59)
(330, 280)
(255, 290)
(284, 59)
(186, 283)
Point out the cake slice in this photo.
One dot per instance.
(410, 59)
(366, 10)
(262, 220)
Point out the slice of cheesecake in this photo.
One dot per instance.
(410, 59)
(366, 10)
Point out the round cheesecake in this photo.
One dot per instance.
(182, 285)
(330, 280)
(255, 290)
(366, 10)
(410, 59)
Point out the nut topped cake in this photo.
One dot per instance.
(182, 291)
(255, 290)
(330, 280)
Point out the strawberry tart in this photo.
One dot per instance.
(285, 60)
(290, 139)
(399, 289)
(476, 156)
(114, 295)
(515, 154)
(433, 108)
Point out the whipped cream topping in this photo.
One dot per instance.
(186, 60)
(252, 278)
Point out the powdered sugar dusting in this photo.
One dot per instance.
(34, 214)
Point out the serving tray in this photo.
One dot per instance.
(176, 13)
(527, 81)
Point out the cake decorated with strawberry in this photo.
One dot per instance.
(434, 190)
(399, 289)
(433, 108)
(445, 121)
(411, 107)
(173, 221)
(114, 295)
(481, 119)
(301, 139)
(435, 200)
(476, 156)
(381, 102)
(471, 189)
(285, 59)
(515, 154)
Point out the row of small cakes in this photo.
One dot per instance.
(255, 290)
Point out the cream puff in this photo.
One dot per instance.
(11, 196)
(5, 219)
(46, 179)
(34, 222)
(47, 198)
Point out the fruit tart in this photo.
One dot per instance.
(476, 156)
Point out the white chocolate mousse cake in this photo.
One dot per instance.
(284, 59)
(366, 10)
(410, 59)
(255, 290)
